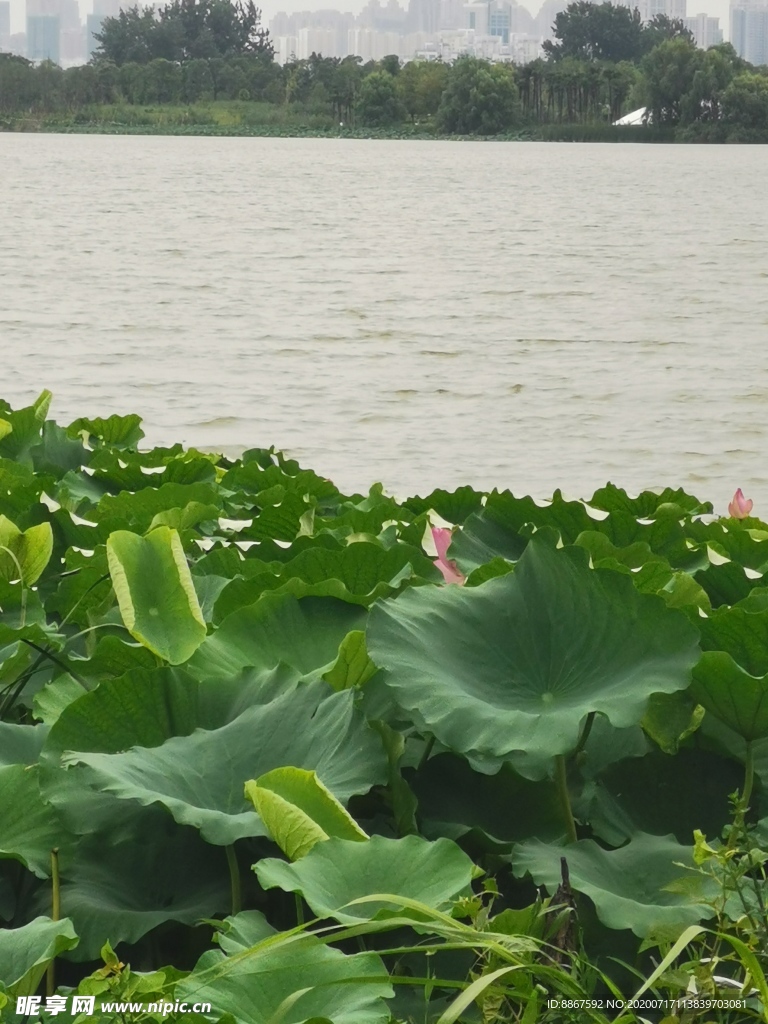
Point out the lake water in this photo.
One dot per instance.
(516, 315)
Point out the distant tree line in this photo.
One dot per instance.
(602, 62)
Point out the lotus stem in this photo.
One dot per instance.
(561, 781)
(50, 974)
(426, 752)
(234, 879)
(584, 734)
(299, 909)
(749, 776)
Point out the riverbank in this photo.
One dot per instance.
(155, 121)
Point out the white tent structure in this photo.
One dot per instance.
(636, 117)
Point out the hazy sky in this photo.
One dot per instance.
(716, 8)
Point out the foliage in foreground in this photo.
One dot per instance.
(251, 729)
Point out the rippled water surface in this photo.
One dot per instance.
(512, 314)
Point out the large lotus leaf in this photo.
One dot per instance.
(29, 828)
(726, 583)
(26, 952)
(137, 510)
(155, 592)
(115, 431)
(200, 778)
(649, 504)
(660, 794)
(304, 634)
(27, 428)
(663, 537)
(241, 931)
(24, 555)
(453, 799)
(299, 811)
(143, 708)
(741, 634)
(338, 871)
(291, 982)
(640, 886)
(516, 664)
(453, 506)
(144, 873)
(732, 694)
(21, 744)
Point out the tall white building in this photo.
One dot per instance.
(706, 31)
(322, 41)
(749, 30)
(671, 8)
(5, 25)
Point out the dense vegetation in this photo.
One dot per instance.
(209, 63)
(317, 757)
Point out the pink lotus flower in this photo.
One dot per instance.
(448, 568)
(740, 507)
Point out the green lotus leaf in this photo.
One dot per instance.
(5, 429)
(337, 872)
(24, 556)
(726, 583)
(305, 634)
(30, 827)
(352, 667)
(155, 592)
(26, 952)
(291, 982)
(659, 794)
(732, 694)
(135, 511)
(454, 799)
(194, 512)
(649, 504)
(299, 811)
(454, 506)
(21, 744)
(640, 886)
(114, 431)
(359, 573)
(671, 718)
(142, 708)
(27, 429)
(145, 872)
(513, 667)
(241, 931)
(200, 778)
(740, 633)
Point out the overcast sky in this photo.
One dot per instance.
(716, 8)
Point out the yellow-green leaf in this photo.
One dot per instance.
(155, 592)
(299, 811)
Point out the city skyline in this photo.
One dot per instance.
(271, 8)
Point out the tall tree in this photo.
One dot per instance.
(591, 31)
(184, 30)
(479, 98)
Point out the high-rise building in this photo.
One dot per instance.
(5, 25)
(93, 23)
(424, 16)
(44, 37)
(749, 30)
(649, 9)
(706, 31)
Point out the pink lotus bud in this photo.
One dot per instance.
(447, 567)
(740, 507)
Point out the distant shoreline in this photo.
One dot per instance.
(538, 133)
